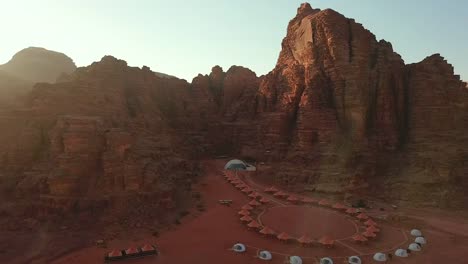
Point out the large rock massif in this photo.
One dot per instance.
(340, 113)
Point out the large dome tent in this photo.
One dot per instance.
(235, 164)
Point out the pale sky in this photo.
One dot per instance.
(184, 38)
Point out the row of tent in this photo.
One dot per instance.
(131, 252)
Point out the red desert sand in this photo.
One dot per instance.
(218, 228)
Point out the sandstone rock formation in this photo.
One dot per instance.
(340, 113)
(38, 65)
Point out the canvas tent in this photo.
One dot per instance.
(246, 218)
(416, 233)
(414, 247)
(114, 255)
(265, 255)
(354, 260)
(295, 260)
(253, 224)
(239, 248)
(380, 257)
(305, 239)
(132, 251)
(148, 249)
(351, 210)
(403, 253)
(359, 238)
(283, 236)
(264, 200)
(324, 202)
(326, 261)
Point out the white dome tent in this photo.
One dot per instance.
(380, 257)
(354, 260)
(265, 255)
(295, 260)
(239, 248)
(416, 233)
(414, 247)
(402, 253)
(420, 240)
(235, 164)
(326, 261)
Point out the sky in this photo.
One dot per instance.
(184, 38)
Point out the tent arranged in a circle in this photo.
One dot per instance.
(265, 255)
(324, 202)
(284, 236)
(254, 195)
(420, 240)
(246, 218)
(414, 247)
(253, 224)
(402, 253)
(326, 241)
(132, 251)
(254, 203)
(308, 200)
(354, 260)
(362, 216)
(267, 231)
(370, 222)
(240, 186)
(416, 233)
(239, 248)
(326, 261)
(369, 234)
(148, 249)
(292, 198)
(247, 207)
(235, 164)
(114, 255)
(271, 189)
(244, 212)
(380, 257)
(280, 194)
(295, 260)
(372, 229)
(305, 240)
(339, 206)
(264, 200)
(359, 238)
(351, 210)
(246, 190)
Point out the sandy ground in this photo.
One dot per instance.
(205, 237)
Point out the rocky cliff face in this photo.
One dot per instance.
(340, 113)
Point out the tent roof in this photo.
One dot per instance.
(253, 224)
(369, 234)
(267, 231)
(370, 222)
(362, 216)
(351, 210)
(324, 202)
(326, 240)
(308, 200)
(147, 247)
(254, 203)
(131, 250)
(292, 198)
(264, 200)
(115, 253)
(235, 164)
(247, 207)
(339, 206)
(359, 237)
(244, 212)
(283, 236)
(246, 218)
(305, 239)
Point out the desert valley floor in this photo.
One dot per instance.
(208, 236)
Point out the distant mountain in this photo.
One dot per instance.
(163, 75)
(38, 65)
(11, 87)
